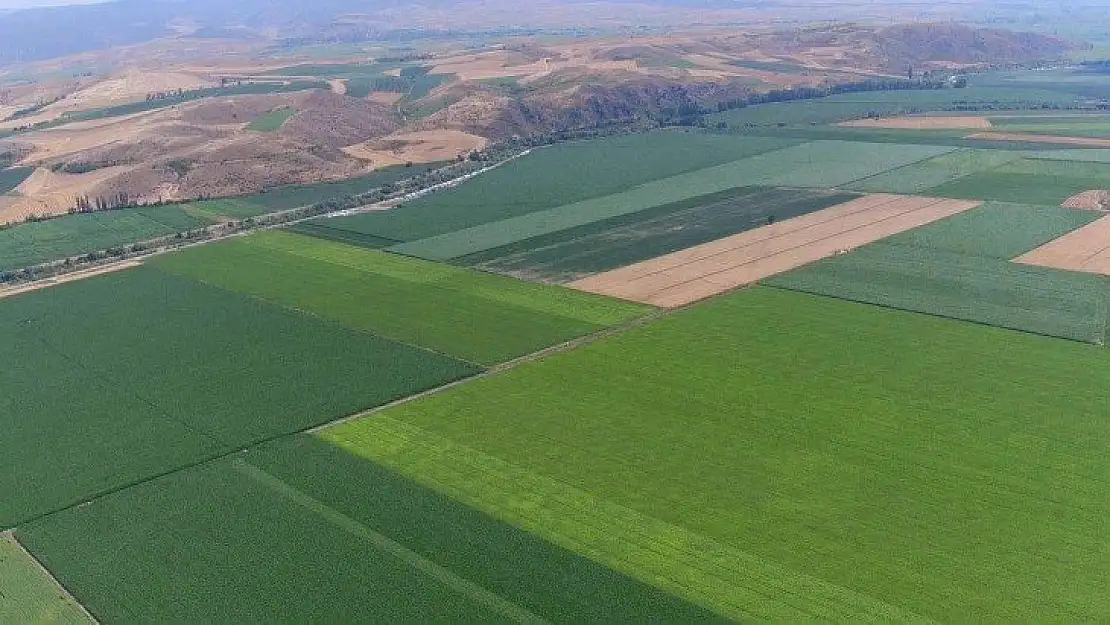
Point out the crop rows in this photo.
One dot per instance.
(600, 246)
(961, 268)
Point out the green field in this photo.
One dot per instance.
(919, 177)
(93, 399)
(820, 164)
(465, 314)
(554, 176)
(848, 460)
(273, 121)
(13, 177)
(847, 106)
(28, 594)
(961, 268)
(1066, 126)
(1029, 181)
(300, 531)
(30, 244)
(600, 246)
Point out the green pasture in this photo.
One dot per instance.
(1075, 126)
(13, 177)
(325, 536)
(574, 253)
(820, 164)
(812, 456)
(961, 268)
(933, 172)
(126, 376)
(554, 176)
(848, 106)
(273, 121)
(1028, 181)
(474, 316)
(27, 594)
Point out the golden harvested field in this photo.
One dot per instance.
(702, 271)
(1086, 249)
(426, 146)
(922, 123)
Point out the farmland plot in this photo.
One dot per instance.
(961, 268)
(577, 252)
(466, 314)
(918, 177)
(28, 594)
(1029, 181)
(686, 276)
(554, 176)
(94, 400)
(736, 431)
(300, 530)
(820, 164)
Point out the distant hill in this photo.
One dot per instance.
(44, 33)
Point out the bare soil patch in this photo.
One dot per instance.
(922, 123)
(12, 291)
(1094, 200)
(385, 97)
(426, 146)
(702, 271)
(1015, 136)
(1086, 249)
(338, 86)
(49, 193)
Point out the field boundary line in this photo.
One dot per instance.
(66, 594)
(566, 346)
(842, 298)
(389, 546)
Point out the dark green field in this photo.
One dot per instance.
(843, 457)
(13, 177)
(477, 317)
(123, 377)
(961, 268)
(302, 531)
(555, 176)
(574, 253)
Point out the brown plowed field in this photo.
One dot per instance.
(1094, 200)
(1017, 136)
(1086, 249)
(692, 274)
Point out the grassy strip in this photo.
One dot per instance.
(478, 317)
(710, 573)
(961, 268)
(13, 177)
(927, 174)
(820, 165)
(934, 466)
(273, 121)
(28, 594)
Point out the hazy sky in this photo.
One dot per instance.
(24, 4)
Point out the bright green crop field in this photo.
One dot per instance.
(819, 164)
(933, 172)
(300, 530)
(28, 594)
(470, 315)
(118, 378)
(961, 268)
(273, 121)
(842, 459)
(558, 175)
